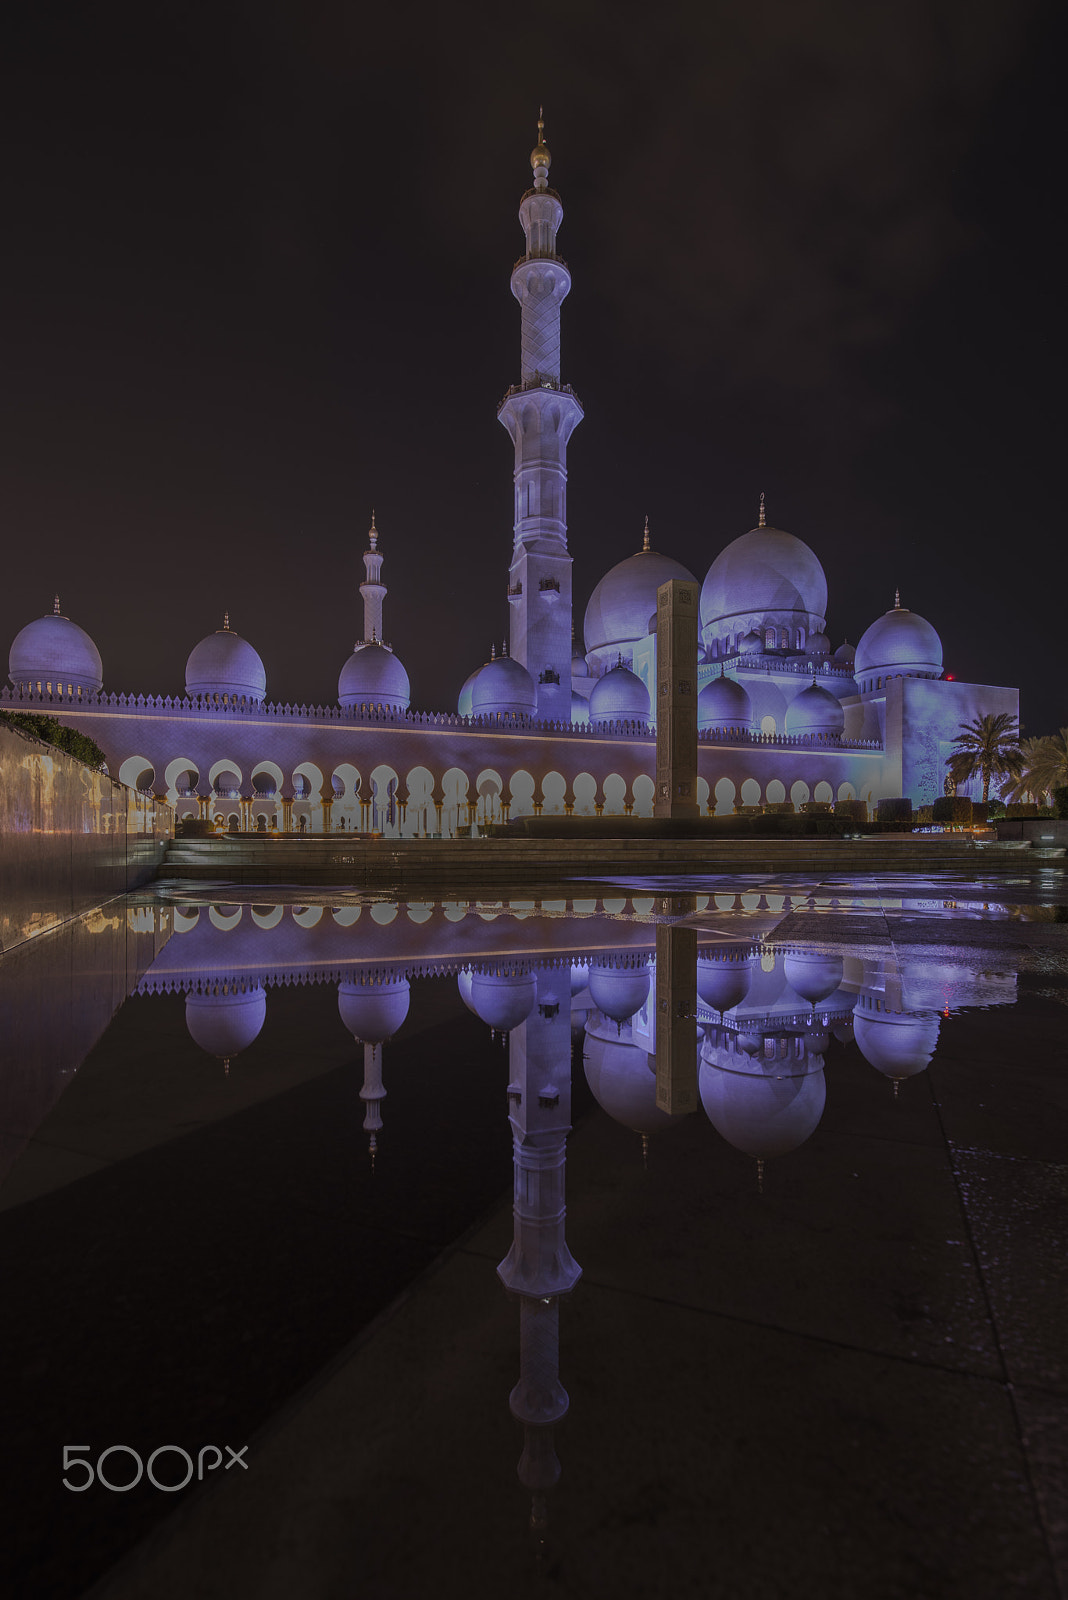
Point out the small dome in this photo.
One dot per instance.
(846, 654)
(723, 979)
(580, 710)
(373, 676)
(503, 686)
(752, 643)
(813, 975)
(372, 1012)
(225, 664)
(815, 711)
(618, 991)
(896, 1044)
(619, 608)
(723, 703)
(903, 643)
(52, 649)
(766, 570)
(620, 696)
(463, 701)
(503, 999)
(580, 668)
(226, 1023)
(818, 644)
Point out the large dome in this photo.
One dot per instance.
(225, 664)
(373, 676)
(503, 686)
(621, 605)
(899, 644)
(620, 696)
(53, 653)
(764, 573)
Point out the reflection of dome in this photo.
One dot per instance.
(812, 975)
(815, 711)
(618, 991)
(897, 1044)
(373, 676)
(503, 686)
(723, 979)
(225, 664)
(899, 643)
(372, 1012)
(723, 703)
(503, 999)
(620, 606)
(54, 650)
(620, 696)
(765, 571)
(226, 1023)
(761, 1115)
(622, 1078)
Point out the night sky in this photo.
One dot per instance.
(255, 270)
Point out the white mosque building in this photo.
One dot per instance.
(784, 717)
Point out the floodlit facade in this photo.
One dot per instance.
(784, 717)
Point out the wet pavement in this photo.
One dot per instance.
(389, 1194)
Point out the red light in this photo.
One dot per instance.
(951, 677)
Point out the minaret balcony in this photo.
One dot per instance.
(526, 260)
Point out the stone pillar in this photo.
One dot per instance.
(676, 1019)
(287, 813)
(246, 813)
(676, 699)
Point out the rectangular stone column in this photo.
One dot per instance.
(676, 699)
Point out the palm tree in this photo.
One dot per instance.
(988, 747)
(1043, 766)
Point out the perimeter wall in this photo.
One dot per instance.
(70, 838)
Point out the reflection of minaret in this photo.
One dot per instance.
(540, 414)
(372, 1010)
(372, 589)
(539, 1267)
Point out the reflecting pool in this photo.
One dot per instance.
(646, 1237)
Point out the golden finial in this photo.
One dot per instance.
(897, 599)
(55, 607)
(374, 531)
(645, 541)
(539, 156)
(226, 621)
(761, 523)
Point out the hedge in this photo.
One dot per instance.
(50, 731)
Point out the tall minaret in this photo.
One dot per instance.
(540, 414)
(372, 588)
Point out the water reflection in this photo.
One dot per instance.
(682, 1008)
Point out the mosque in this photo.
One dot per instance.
(785, 719)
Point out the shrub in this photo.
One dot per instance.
(1060, 800)
(1022, 808)
(896, 810)
(924, 816)
(856, 810)
(952, 808)
(50, 731)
